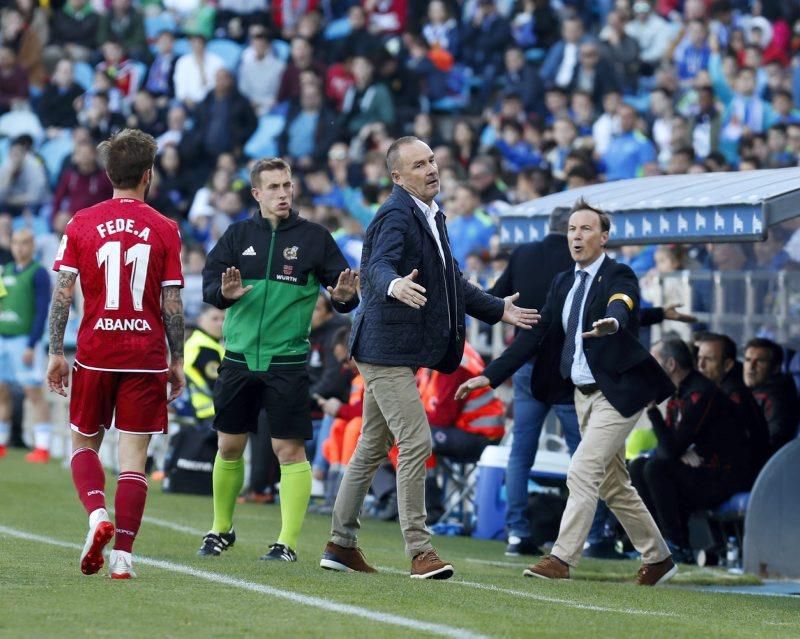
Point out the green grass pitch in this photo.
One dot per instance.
(43, 594)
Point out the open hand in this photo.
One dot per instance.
(409, 292)
(481, 381)
(346, 286)
(670, 313)
(601, 328)
(176, 379)
(518, 316)
(232, 288)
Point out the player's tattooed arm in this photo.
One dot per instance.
(172, 312)
(59, 310)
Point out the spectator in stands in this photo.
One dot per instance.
(56, 107)
(607, 124)
(692, 56)
(74, 31)
(260, 73)
(716, 359)
(468, 225)
(196, 72)
(386, 17)
(176, 128)
(630, 151)
(124, 23)
(311, 128)
(483, 177)
(593, 74)
(22, 325)
(700, 455)
(83, 183)
(558, 67)
(775, 392)
(744, 113)
(224, 120)
(652, 33)
(124, 73)
(301, 59)
(705, 123)
(361, 41)
(23, 180)
(13, 81)
(621, 50)
(160, 79)
(101, 121)
(522, 78)
(146, 115)
(26, 44)
(564, 135)
(515, 152)
(535, 25)
(441, 29)
(367, 101)
(175, 180)
(484, 39)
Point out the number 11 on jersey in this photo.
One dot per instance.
(108, 256)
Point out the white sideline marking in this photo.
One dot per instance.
(493, 562)
(471, 584)
(307, 600)
(529, 595)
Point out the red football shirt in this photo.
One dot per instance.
(125, 252)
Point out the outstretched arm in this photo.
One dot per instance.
(57, 368)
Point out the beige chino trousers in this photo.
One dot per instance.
(393, 412)
(598, 470)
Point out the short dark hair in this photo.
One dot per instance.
(267, 164)
(582, 171)
(559, 219)
(728, 345)
(126, 156)
(394, 150)
(772, 347)
(583, 205)
(678, 350)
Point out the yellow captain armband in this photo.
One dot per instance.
(622, 298)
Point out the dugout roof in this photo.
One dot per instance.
(707, 207)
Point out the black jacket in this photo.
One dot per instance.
(390, 333)
(325, 375)
(778, 400)
(56, 108)
(749, 418)
(627, 374)
(700, 415)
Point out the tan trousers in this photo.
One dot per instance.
(392, 412)
(597, 470)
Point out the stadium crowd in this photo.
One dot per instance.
(517, 99)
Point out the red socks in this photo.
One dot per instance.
(129, 508)
(89, 479)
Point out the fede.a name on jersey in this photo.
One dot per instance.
(122, 225)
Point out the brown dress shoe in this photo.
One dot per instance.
(655, 574)
(427, 565)
(548, 568)
(336, 557)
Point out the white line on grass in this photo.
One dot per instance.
(493, 562)
(307, 600)
(530, 595)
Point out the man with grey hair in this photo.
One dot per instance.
(412, 316)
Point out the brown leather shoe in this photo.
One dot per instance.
(548, 568)
(655, 574)
(336, 557)
(427, 565)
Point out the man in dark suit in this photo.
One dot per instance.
(412, 316)
(587, 339)
(531, 271)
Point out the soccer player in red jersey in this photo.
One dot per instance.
(128, 258)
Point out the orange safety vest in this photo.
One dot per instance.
(482, 413)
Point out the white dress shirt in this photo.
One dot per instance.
(430, 215)
(581, 374)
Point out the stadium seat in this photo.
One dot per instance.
(181, 47)
(84, 74)
(228, 50)
(54, 152)
(16, 123)
(281, 49)
(337, 29)
(264, 142)
(155, 24)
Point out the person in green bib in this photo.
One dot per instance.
(22, 320)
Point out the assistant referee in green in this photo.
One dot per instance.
(267, 271)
